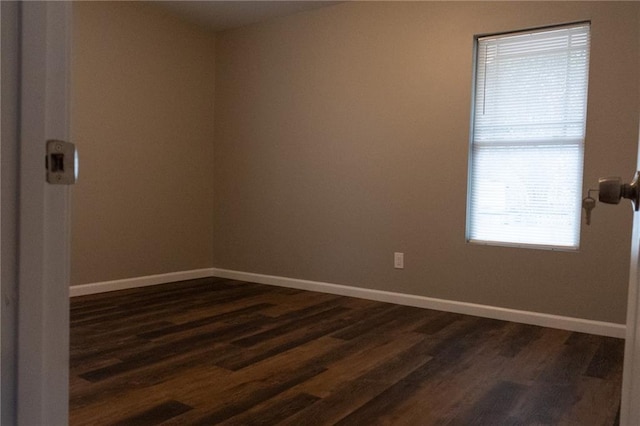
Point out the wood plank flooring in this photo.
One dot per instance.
(217, 351)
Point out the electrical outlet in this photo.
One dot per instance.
(398, 260)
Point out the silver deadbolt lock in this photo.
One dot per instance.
(61, 163)
(611, 190)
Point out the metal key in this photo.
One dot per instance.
(588, 204)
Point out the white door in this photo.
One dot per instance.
(630, 408)
(35, 391)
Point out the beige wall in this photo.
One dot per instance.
(342, 136)
(143, 90)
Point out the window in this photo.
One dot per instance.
(529, 114)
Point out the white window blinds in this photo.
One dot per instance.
(529, 118)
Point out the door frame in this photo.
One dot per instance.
(39, 386)
(8, 213)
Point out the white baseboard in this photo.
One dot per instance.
(525, 317)
(105, 286)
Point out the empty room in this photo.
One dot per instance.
(353, 213)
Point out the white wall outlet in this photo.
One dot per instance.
(398, 260)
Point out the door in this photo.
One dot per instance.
(35, 389)
(630, 408)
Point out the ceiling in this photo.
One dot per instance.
(223, 15)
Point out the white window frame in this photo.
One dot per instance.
(478, 139)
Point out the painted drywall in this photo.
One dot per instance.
(143, 91)
(342, 137)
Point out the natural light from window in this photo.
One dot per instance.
(528, 130)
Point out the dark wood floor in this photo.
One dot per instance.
(220, 351)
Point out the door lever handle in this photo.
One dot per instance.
(611, 190)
